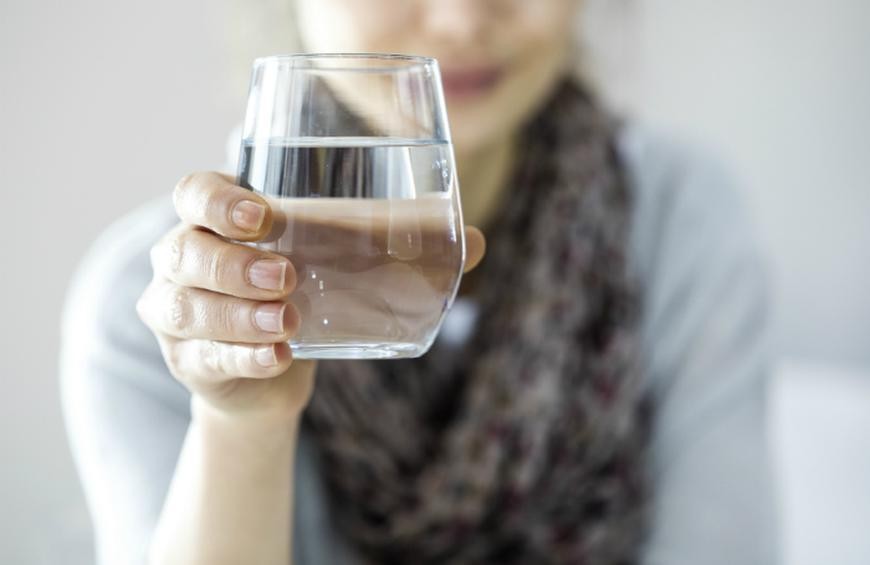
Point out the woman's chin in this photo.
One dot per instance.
(472, 127)
(479, 117)
(468, 139)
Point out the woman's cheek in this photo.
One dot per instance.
(356, 25)
(553, 23)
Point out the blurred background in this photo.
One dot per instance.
(105, 104)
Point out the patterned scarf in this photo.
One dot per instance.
(527, 444)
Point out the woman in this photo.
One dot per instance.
(595, 396)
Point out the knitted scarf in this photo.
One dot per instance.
(525, 445)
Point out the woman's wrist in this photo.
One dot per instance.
(281, 424)
(232, 494)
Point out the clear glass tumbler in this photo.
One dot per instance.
(353, 153)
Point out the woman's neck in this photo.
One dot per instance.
(483, 176)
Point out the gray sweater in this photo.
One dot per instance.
(705, 367)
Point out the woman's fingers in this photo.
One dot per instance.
(193, 257)
(209, 361)
(194, 313)
(475, 247)
(213, 201)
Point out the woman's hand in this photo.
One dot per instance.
(219, 309)
(221, 314)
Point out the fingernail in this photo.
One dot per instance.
(265, 356)
(248, 215)
(270, 318)
(267, 274)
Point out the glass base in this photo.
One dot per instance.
(372, 350)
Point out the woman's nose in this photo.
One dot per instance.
(456, 21)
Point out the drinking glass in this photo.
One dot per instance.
(353, 154)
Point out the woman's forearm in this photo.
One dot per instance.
(231, 497)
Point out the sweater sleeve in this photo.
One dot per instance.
(125, 415)
(705, 329)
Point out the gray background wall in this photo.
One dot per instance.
(104, 104)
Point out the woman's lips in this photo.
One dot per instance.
(469, 82)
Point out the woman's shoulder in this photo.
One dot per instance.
(135, 230)
(666, 170)
(124, 244)
(694, 250)
(116, 268)
(686, 198)
(705, 350)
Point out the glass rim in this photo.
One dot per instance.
(411, 61)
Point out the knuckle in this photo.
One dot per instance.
(167, 253)
(224, 358)
(229, 365)
(144, 304)
(177, 247)
(181, 187)
(226, 315)
(214, 202)
(240, 360)
(210, 355)
(219, 266)
(179, 310)
(172, 357)
(193, 196)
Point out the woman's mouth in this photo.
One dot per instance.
(470, 82)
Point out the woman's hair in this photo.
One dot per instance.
(602, 57)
